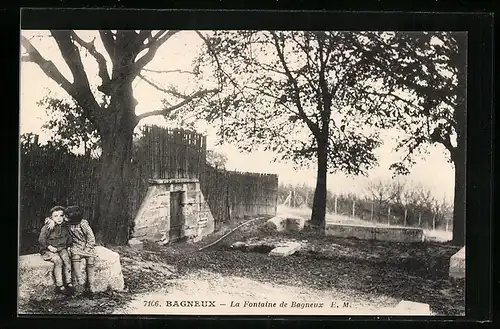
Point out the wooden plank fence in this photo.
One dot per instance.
(232, 194)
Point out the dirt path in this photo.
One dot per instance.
(227, 290)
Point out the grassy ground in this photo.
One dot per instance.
(366, 272)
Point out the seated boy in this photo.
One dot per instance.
(54, 241)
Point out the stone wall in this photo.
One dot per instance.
(351, 231)
(397, 234)
(152, 221)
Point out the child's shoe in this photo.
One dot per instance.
(62, 290)
(87, 292)
(71, 289)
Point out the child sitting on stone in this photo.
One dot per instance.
(54, 241)
(83, 247)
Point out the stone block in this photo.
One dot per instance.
(239, 245)
(286, 250)
(457, 264)
(277, 223)
(412, 308)
(135, 243)
(350, 231)
(36, 278)
(399, 234)
(295, 224)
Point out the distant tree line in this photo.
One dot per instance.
(395, 202)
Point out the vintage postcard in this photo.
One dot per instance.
(242, 172)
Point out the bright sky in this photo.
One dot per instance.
(177, 54)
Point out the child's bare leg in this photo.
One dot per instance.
(76, 262)
(90, 267)
(55, 259)
(66, 263)
(58, 275)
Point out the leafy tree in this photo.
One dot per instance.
(128, 54)
(429, 102)
(301, 94)
(216, 159)
(69, 125)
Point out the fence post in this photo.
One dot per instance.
(389, 215)
(353, 207)
(335, 205)
(434, 222)
(371, 214)
(446, 224)
(406, 213)
(419, 219)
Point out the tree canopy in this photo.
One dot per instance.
(307, 94)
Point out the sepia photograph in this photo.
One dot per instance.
(242, 172)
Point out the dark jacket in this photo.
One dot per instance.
(58, 237)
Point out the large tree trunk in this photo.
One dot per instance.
(459, 203)
(319, 202)
(459, 161)
(460, 152)
(113, 216)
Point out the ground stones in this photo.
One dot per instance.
(273, 247)
(286, 250)
(135, 243)
(286, 223)
(457, 264)
(277, 224)
(413, 308)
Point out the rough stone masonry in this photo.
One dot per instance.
(152, 221)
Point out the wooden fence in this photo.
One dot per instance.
(171, 153)
(232, 194)
(53, 176)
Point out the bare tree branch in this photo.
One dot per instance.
(108, 41)
(72, 57)
(80, 88)
(169, 110)
(151, 83)
(47, 67)
(142, 36)
(158, 40)
(168, 71)
(214, 54)
(101, 61)
(313, 126)
(167, 91)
